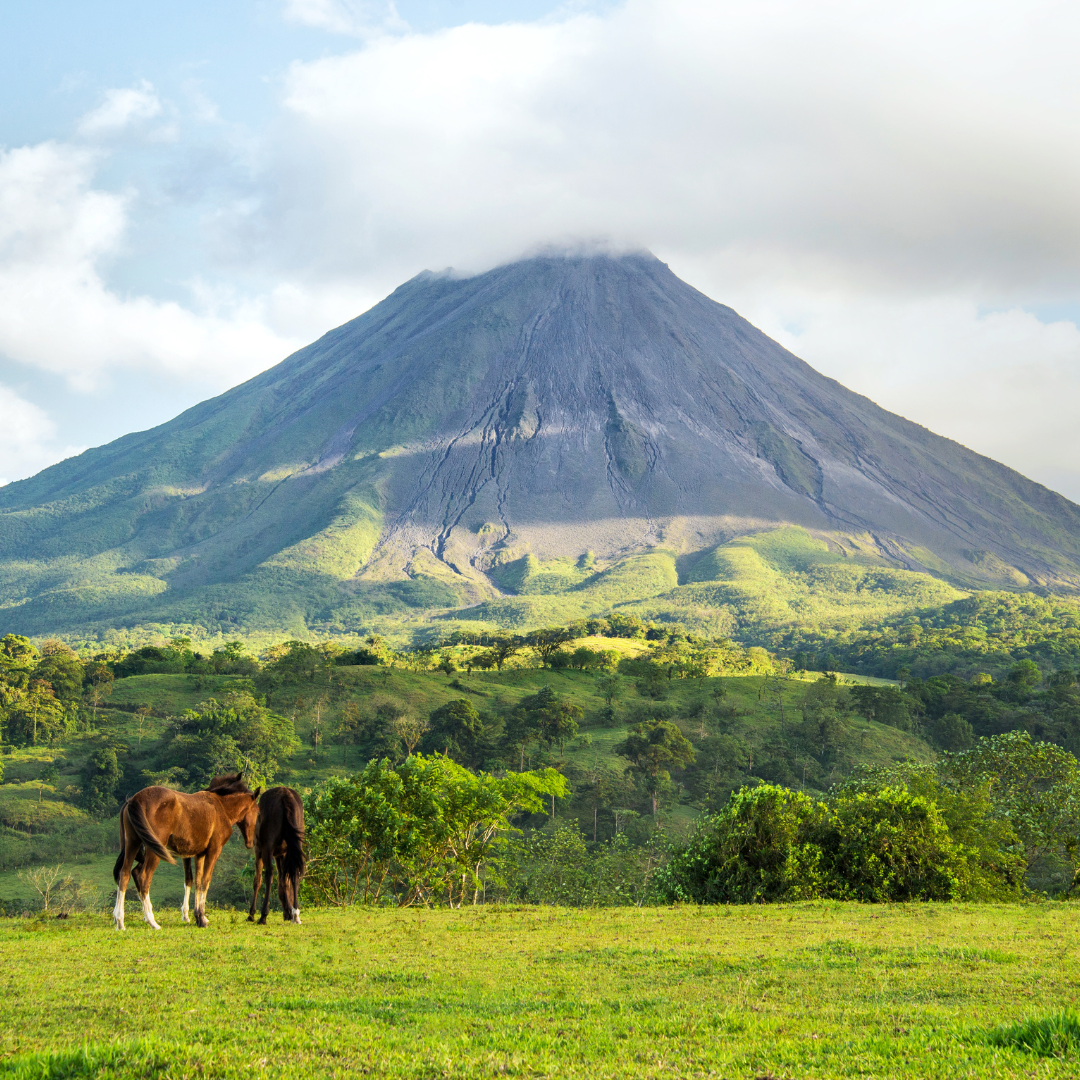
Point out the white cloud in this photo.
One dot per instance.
(27, 438)
(358, 18)
(912, 149)
(58, 314)
(121, 109)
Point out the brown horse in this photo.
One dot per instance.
(279, 837)
(157, 822)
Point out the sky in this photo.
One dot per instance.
(188, 193)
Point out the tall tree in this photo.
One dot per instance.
(653, 749)
(455, 729)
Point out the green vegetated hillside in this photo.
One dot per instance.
(829, 602)
(59, 797)
(637, 735)
(826, 601)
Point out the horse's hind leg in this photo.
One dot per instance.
(204, 871)
(184, 907)
(132, 847)
(266, 892)
(283, 890)
(143, 878)
(269, 881)
(256, 882)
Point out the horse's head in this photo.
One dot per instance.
(251, 816)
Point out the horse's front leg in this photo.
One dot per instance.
(184, 908)
(143, 878)
(200, 890)
(202, 886)
(256, 883)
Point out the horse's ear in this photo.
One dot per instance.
(255, 794)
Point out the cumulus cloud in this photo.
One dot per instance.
(121, 109)
(56, 231)
(832, 135)
(27, 438)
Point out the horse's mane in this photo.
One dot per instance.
(229, 784)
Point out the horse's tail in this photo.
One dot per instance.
(123, 847)
(137, 819)
(294, 864)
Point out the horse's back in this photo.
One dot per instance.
(281, 815)
(188, 818)
(158, 801)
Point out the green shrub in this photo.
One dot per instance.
(772, 844)
(756, 849)
(889, 845)
(100, 780)
(420, 832)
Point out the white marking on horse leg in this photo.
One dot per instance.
(148, 911)
(185, 910)
(296, 915)
(118, 909)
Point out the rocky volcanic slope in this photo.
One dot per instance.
(552, 407)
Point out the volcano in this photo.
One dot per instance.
(580, 409)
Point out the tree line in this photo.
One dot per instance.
(997, 822)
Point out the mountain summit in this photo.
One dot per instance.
(556, 408)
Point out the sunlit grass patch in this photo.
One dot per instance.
(1051, 1036)
(148, 1058)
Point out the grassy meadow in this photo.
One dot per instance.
(808, 990)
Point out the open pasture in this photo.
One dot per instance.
(809, 990)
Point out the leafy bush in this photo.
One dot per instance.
(100, 780)
(888, 845)
(994, 865)
(234, 734)
(754, 850)
(417, 833)
(885, 844)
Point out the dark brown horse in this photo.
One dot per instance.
(158, 822)
(279, 838)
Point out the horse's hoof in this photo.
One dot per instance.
(262, 921)
(251, 918)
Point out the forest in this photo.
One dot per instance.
(608, 761)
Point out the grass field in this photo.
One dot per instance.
(813, 990)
